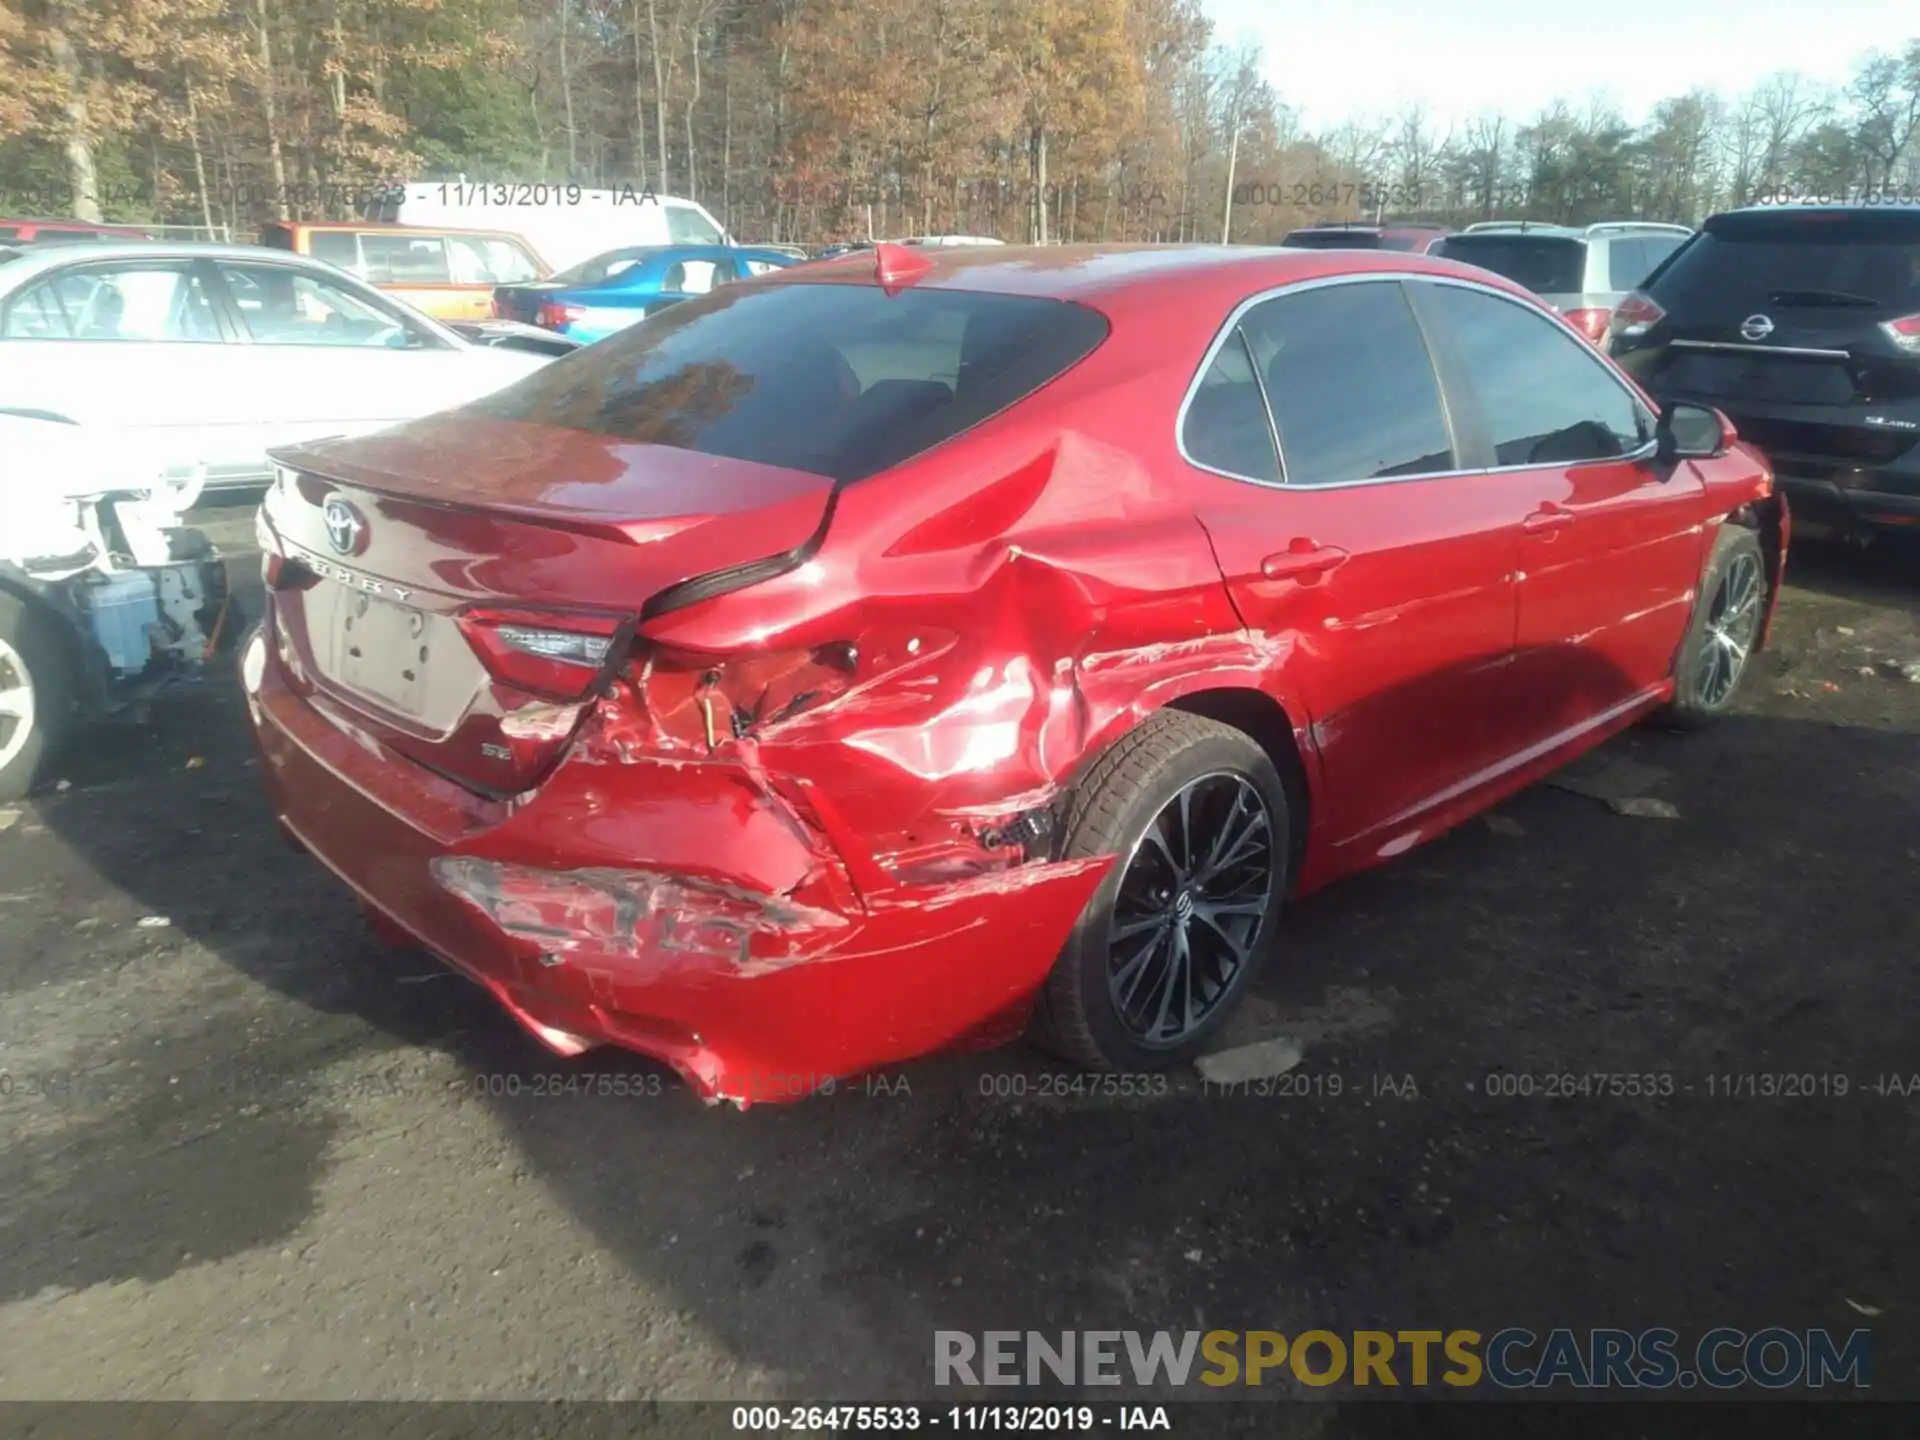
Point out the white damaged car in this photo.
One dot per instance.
(104, 592)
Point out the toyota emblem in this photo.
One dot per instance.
(1756, 327)
(346, 531)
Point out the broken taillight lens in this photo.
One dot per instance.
(558, 655)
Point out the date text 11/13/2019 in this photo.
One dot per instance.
(956, 1419)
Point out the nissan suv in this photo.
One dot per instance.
(1583, 272)
(1802, 324)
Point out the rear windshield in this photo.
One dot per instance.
(1338, 240)
(604, 267)
(1741, 264)
(837, 380)
(1545, 264)
(1630, 259)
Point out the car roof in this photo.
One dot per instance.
(34, 259)
(1116, 276)
(388, 228)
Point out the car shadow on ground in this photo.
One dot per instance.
(1405, 1178)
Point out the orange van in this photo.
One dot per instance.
(448, 274)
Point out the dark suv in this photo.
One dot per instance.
(1802, 323)
(1352, 235)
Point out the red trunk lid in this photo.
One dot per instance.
(394, 537)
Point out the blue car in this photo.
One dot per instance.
(612, 291)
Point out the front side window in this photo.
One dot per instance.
(1547, 398)
(404, 260)
(687, 226)
(336, 247)
(283, 306)
(836, 380)
(1350, 383)
(151, 303)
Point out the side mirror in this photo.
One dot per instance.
(1692, 432)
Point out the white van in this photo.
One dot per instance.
(567, 224)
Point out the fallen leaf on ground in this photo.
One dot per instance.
(195, 763)
(1505, 825)
(1870, 1311)
(1610, 778)
(154, 922)
(1250, 1062)
(1645, 807)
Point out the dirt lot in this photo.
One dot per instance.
(250, 1154)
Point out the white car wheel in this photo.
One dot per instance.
(36, 696)
(16, 705)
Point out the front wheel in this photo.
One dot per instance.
(36, 702)
(1197, 816)
(1726, 627)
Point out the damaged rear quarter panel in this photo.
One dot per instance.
(1065, 589)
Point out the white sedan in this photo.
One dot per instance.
(205, 355)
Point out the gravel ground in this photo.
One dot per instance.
(250, 1154)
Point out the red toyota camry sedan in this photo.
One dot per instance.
(900, 651)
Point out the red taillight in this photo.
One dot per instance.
(558, 655)
(1634, 316)
(555, 316)
(494, 310)
(1590, 323)
(1904, 332)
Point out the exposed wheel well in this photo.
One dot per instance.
(1262, 719)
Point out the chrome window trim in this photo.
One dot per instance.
(1232, 325)
(1759, 349)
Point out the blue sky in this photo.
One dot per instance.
(1334, 60)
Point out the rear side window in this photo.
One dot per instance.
(1351, 385)
(405, 259)
(1829, 261)
(336, 247)
(837, 380)
(1545, 264)
(1226, 427)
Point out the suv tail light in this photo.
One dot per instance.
(557, 655)
(1904, 332)
(494, 311)
(1590, 323)
(555, 316)
(1635, 316)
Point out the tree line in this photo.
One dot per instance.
(814, 119)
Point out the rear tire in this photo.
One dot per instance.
(36, 697)
(1169, 943)
(1718, 650)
